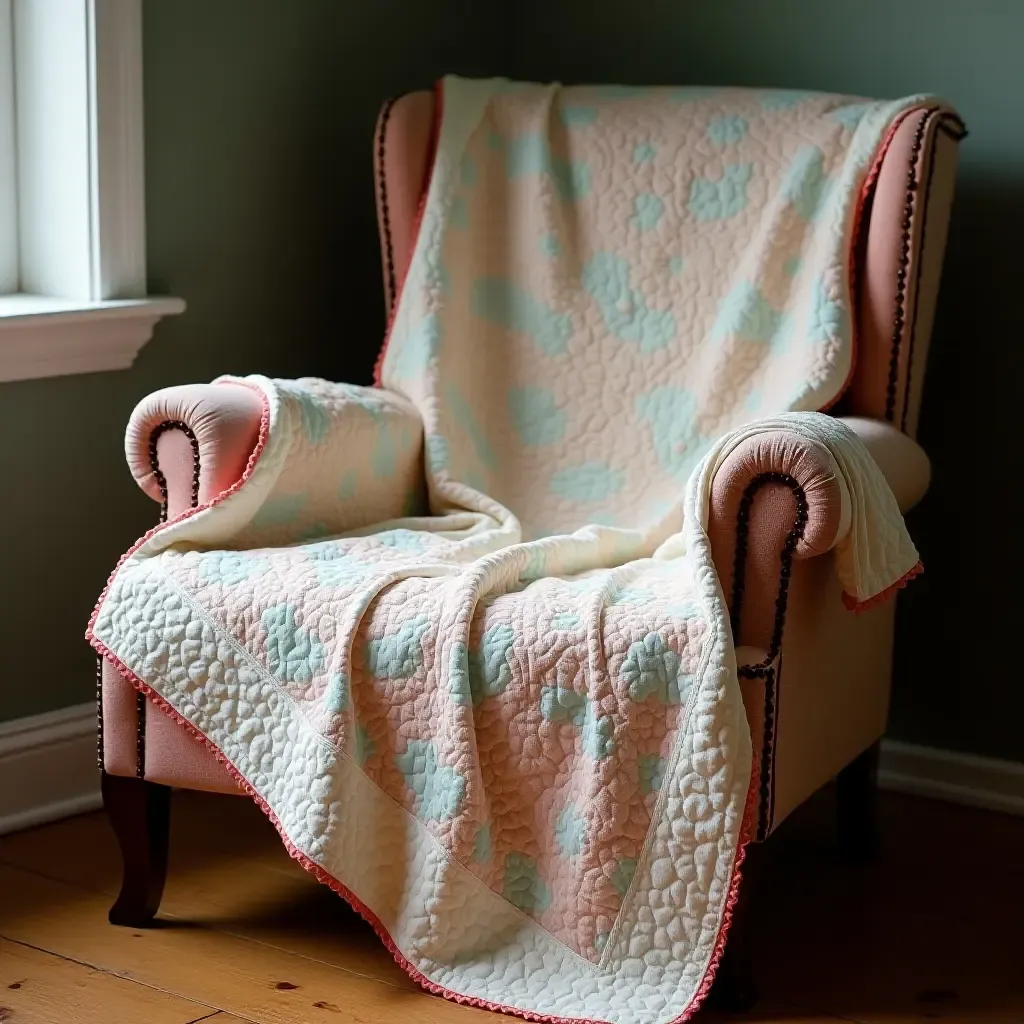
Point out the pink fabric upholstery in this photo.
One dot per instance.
(900, 275)
(225, 421)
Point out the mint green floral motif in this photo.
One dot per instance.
(600, 941)
(569, 832)
(530, 154)
(231, 567)
(598, 732)
(651, 666)
(587, 483)
(398, 655)
(535, 565)
(670, 413)
(675, 266)
(549, 244)
(727, 129)
(279, 511)
(523, 887)
(333, 566)
(792, 266)
(498, 301)
(490, 669)
(314, 415)
(483, 847)
(402, 540)
(828, 320)
(622, 874)
(467, 171)
(458, 215)
(458, 674)
(747, 314)
(643, 153)
(785, 99)
(565, 620)
(418, 350)
(631, 595)
(806, 184)
(723, 198)
(850, 116)
(365, 748)
(438, 788)
(465, 419)
(651, 770)
(574, 116)
(647, 211)
(606, 278)
(437, 454)
(561, 704)
(535, 415)
(336, 695)
(293, 656)
(347, 487)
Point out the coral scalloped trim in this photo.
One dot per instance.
(858, 607)
(326, 878)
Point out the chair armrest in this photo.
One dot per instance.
(778, 497)
(187, 444)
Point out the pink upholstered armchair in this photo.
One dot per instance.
(815, 677)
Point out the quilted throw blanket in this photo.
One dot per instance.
(460, 635)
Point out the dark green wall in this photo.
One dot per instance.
(259, 124)
(954, 685)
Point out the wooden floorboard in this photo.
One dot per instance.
(37, 987)
(929, 932)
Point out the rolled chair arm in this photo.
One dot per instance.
(187, 444)
(778, 497)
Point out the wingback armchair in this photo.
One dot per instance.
(815, 677)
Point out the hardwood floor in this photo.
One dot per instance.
(931, 931)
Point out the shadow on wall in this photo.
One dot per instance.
(953, 687)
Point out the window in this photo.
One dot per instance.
(72, 234)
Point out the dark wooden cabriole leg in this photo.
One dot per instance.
(140, 812)
(735, 989)
(857, 806)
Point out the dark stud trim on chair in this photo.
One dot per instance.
(900, 319)
(385, 213)
(99, 712)
(766, 669)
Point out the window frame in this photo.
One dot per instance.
(81, 302)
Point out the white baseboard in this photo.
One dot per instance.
(947, 775)
(48, 767)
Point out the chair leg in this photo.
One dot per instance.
(735, 987)
(857, 806)
(140, 812)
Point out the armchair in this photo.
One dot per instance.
(815, 678)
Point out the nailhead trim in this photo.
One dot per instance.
(161, 480)
(900, 319)
(766, 669)
(99, 712)
(385, 213)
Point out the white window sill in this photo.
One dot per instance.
(42, 337)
